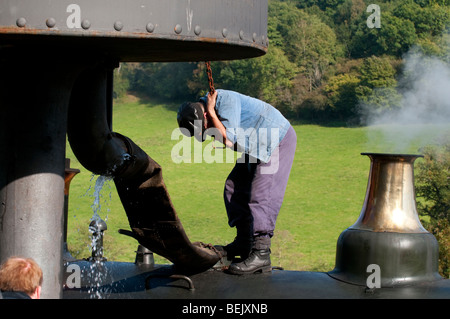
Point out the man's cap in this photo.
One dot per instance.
(190, 117)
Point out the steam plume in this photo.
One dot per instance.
(423, 115)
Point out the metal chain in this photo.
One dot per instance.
(210, 78)
(211, 88)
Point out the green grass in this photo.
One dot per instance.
(324, 194)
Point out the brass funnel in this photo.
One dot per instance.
(388, 235)
(390, 204)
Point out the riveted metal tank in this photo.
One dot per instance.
(44, 47)
(143, 30)
(388, 234)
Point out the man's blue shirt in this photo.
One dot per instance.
(254, 126)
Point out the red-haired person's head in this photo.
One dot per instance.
(21, 275)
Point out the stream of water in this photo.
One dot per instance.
(98, 273)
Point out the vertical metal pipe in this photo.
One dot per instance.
(69, 174)
(110, 95)
(34, 97)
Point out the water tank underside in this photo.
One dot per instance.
(138, 31)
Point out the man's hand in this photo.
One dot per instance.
(211, 103)
(214, 120)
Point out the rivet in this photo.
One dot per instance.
(21, 22)
(118, 25)
(241, 35)
(224, 32)
(254, 37)
(197, 30)
(50, 22)
(150, 27)
(85, 24)
(178, 29)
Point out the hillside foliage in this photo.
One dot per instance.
(324, 59)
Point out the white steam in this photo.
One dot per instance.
(423, 115)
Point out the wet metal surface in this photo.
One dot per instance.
(128, 281)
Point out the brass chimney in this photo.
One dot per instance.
(388, 234)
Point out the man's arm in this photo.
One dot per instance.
(215, 122)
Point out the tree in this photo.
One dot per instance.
(433, 182)
(273, 76)
(433, 194)
(121, 81)
(377, 72)
(322, 4)
(305, 40)
(428, 20)
(282, 17)
(312, 46)
(342, 97)
(377, 90)
(268, 78)
(163, 80)
(395, 36)
(345, 16)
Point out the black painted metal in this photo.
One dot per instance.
(403, 258)
(128, 281)
(33, 112)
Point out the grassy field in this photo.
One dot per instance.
(324, 195)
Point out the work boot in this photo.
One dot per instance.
(239, 247)
(257, 261)
(242, 244)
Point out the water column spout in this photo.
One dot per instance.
(97, 227)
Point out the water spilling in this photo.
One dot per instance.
(97, 271)
(96, 206)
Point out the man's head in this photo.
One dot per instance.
(21, 275)
(191, 116)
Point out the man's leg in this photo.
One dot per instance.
(267, 193)
(269, 186)
(237, 196)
